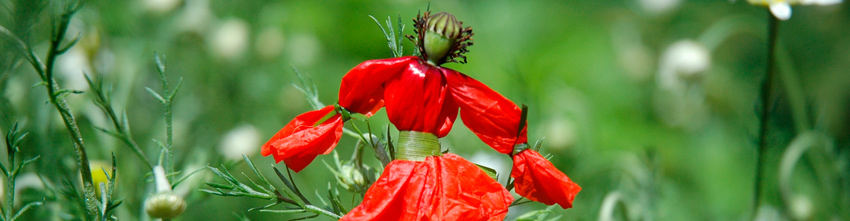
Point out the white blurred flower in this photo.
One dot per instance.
(269, 42)
(632, 54)
(244, 139)
(304, 49)
(801, 207)
(767, 213)
(196, 16)
(782, 8)
(82, 57)
(230, 38)
(72, 65)
(561, 132)
(680, 100)
(161, 6)
(658, 6)
(683, 61)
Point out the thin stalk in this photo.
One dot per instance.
(167, 102)
(766, 97)
(10, 191)
(169, 140)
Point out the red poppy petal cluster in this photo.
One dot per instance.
(537, 179)
(304, 138)
(443, 187)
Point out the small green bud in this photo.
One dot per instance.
(165, 205)
(351, 175)
(441, 31)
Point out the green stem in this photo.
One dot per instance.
(169, 137)
(167, 106)
(319, 210)
(766, 96)
(416, 146)
(10, 192)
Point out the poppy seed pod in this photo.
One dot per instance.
(442, 30)
(441, 38)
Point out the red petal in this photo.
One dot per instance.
(448, 116)
(537, 179)
(441, 188)
(416, 100)
(362, 88)
(491, 116)
(299, 142)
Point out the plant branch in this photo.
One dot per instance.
(167, 102)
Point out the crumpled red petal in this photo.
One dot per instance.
(441, 188)
(362, 88)
(416, 100)
(300, 141)
(488, 114)
(538, 180)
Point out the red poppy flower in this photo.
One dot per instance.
(422, 97)
(305, 137)
(418, 94)
(537, 179)
(443, 187)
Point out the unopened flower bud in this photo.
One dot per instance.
(351, 175)
(442, 30)
(164, 203)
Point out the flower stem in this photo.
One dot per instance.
(766, 96)
(416, 146)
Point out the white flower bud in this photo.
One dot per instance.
(164, 204)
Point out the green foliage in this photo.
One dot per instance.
(263, 189)
(13, 140)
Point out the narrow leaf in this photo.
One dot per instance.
(156, 95)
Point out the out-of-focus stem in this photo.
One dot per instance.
(766, 97)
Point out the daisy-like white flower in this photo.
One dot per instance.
(782, 8)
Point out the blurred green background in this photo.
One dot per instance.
(652, 102)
